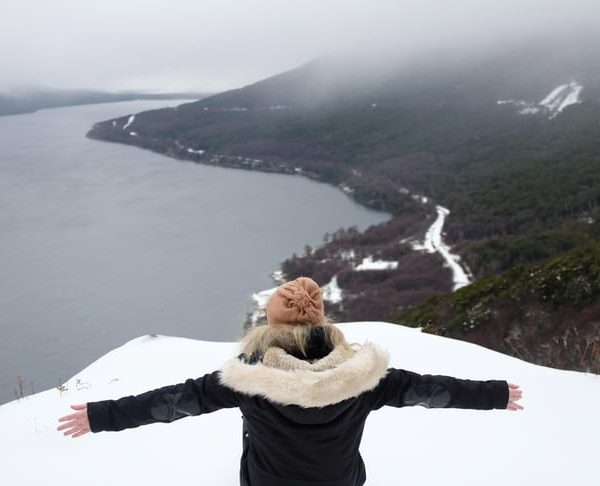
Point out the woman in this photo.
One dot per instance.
(304, 392)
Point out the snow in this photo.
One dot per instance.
(552, 442)
(260, 300)
(332, 291)
(433, 238)
(369, 264)
(278, 277)
(529, 110)
(552, 101)
(129, 122)
(348, 255)
(192, 151)
(133, 134)
(552, 104)
(346, 188)
(561, 97)
(571, 98)
(421, 199)
(434, 243)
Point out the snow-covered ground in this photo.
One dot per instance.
(192, 151)
(332, 291)
(552, 104)
(553, 442)
(260, 300)
(346, 188)
(369, 264)
(129, 121)
(434, 243)
(561, 97)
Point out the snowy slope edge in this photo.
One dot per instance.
(558, 444)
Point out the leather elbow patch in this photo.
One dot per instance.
(429, 396)
(172, 406)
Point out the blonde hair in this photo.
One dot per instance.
(287, 336)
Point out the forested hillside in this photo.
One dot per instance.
(547, 313)
(506, 140)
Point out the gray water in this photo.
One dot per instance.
(101, 243)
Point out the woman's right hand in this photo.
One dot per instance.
(514, 394)
(77, 424)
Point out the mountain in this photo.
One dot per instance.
(485, 160)
(551, 442)
(28, 100)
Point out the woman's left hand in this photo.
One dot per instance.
(76, 424)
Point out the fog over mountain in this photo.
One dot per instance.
(212, 46)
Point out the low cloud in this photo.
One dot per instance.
(214, 45)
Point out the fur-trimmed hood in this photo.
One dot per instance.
(346, 372)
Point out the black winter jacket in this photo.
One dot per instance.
(303, 421)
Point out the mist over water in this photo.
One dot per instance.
(101, 243)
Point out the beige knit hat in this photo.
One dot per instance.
(296, 302)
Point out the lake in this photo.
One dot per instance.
(101, 243)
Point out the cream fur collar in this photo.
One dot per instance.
(281, 378)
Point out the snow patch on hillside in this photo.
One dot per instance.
(332, 291)
(561, 97)
(192, 151)
(554, 103)
(434, 243)
(346, 188)
(369, 264)
(260, 299)
(129, 121)
(348, 255)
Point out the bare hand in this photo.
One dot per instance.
(77, 424)
(514, 394)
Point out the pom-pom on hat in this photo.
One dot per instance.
(297, 302)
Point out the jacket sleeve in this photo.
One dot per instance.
(401, 388)
(193, 397)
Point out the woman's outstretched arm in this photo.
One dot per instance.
(193, 397)
(401, 388)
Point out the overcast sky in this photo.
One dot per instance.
(215, 45)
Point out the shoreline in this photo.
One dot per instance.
(122, 130)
